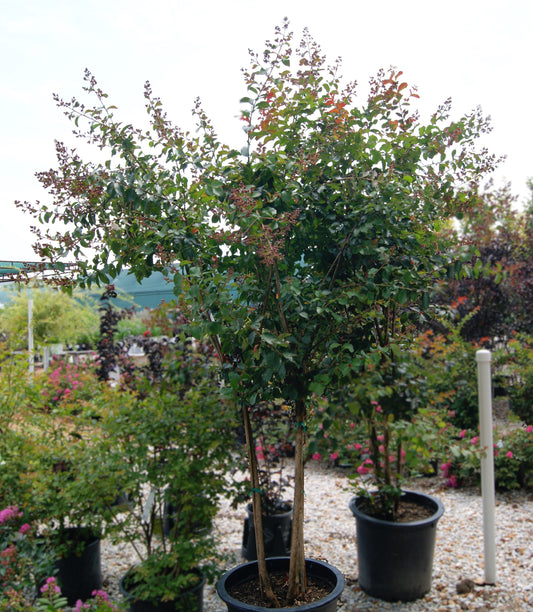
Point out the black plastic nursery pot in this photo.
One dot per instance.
(191, 600)
(395, 559)
(80, 572)
(317, 569)
(276, 534)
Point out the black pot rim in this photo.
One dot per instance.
(335, 593)
(429, 499)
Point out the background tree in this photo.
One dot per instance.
(497, 291)
(306, 255)
(58, 317)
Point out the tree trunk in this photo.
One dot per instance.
(264, 578)
(297, 574)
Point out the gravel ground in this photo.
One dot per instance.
(330, 536)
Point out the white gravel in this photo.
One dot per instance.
(330, 536)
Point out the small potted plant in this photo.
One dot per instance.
(168, 445)
(65, 490)
(49, 468)
(396, 529)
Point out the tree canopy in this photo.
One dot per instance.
(305, 254)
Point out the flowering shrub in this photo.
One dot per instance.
(51, 599)
(66, 383)
(513, 460)
(462, 464)
(99, 603)
(23, 557)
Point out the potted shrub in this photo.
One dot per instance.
(65, 491)
(168, 446)
(48, 467)
(396, 529)
(288, 252)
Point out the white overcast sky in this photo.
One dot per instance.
(476, 52)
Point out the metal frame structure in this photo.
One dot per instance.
(21, 271)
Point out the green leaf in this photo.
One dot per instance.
(194, 291)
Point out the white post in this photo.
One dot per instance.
(31, 353)
(487, 463)
(46, 357)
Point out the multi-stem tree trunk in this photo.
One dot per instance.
(297, 573)
(264, 578)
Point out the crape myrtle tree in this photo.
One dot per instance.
(304, 255)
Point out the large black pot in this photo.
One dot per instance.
(276, 534)
(191, 600)
(79, 572)
(396, 559)
(318, 569)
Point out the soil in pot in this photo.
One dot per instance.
(239, 587)
(408, 511)
(249, 592)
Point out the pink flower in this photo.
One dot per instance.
(445, 467)
(357, 446)
(452, 481)
(529, 428)
(50, 585)
(362, 470)
(24, 528)
(509, 455)
(334, 456)
(462, 434)
(352, 425)
(474, 440)
(8, 513)
(317, 456)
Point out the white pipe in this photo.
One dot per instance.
(487, 463)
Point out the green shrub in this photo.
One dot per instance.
(513, 460)
(520, 377)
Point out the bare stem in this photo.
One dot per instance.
(264, 578)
